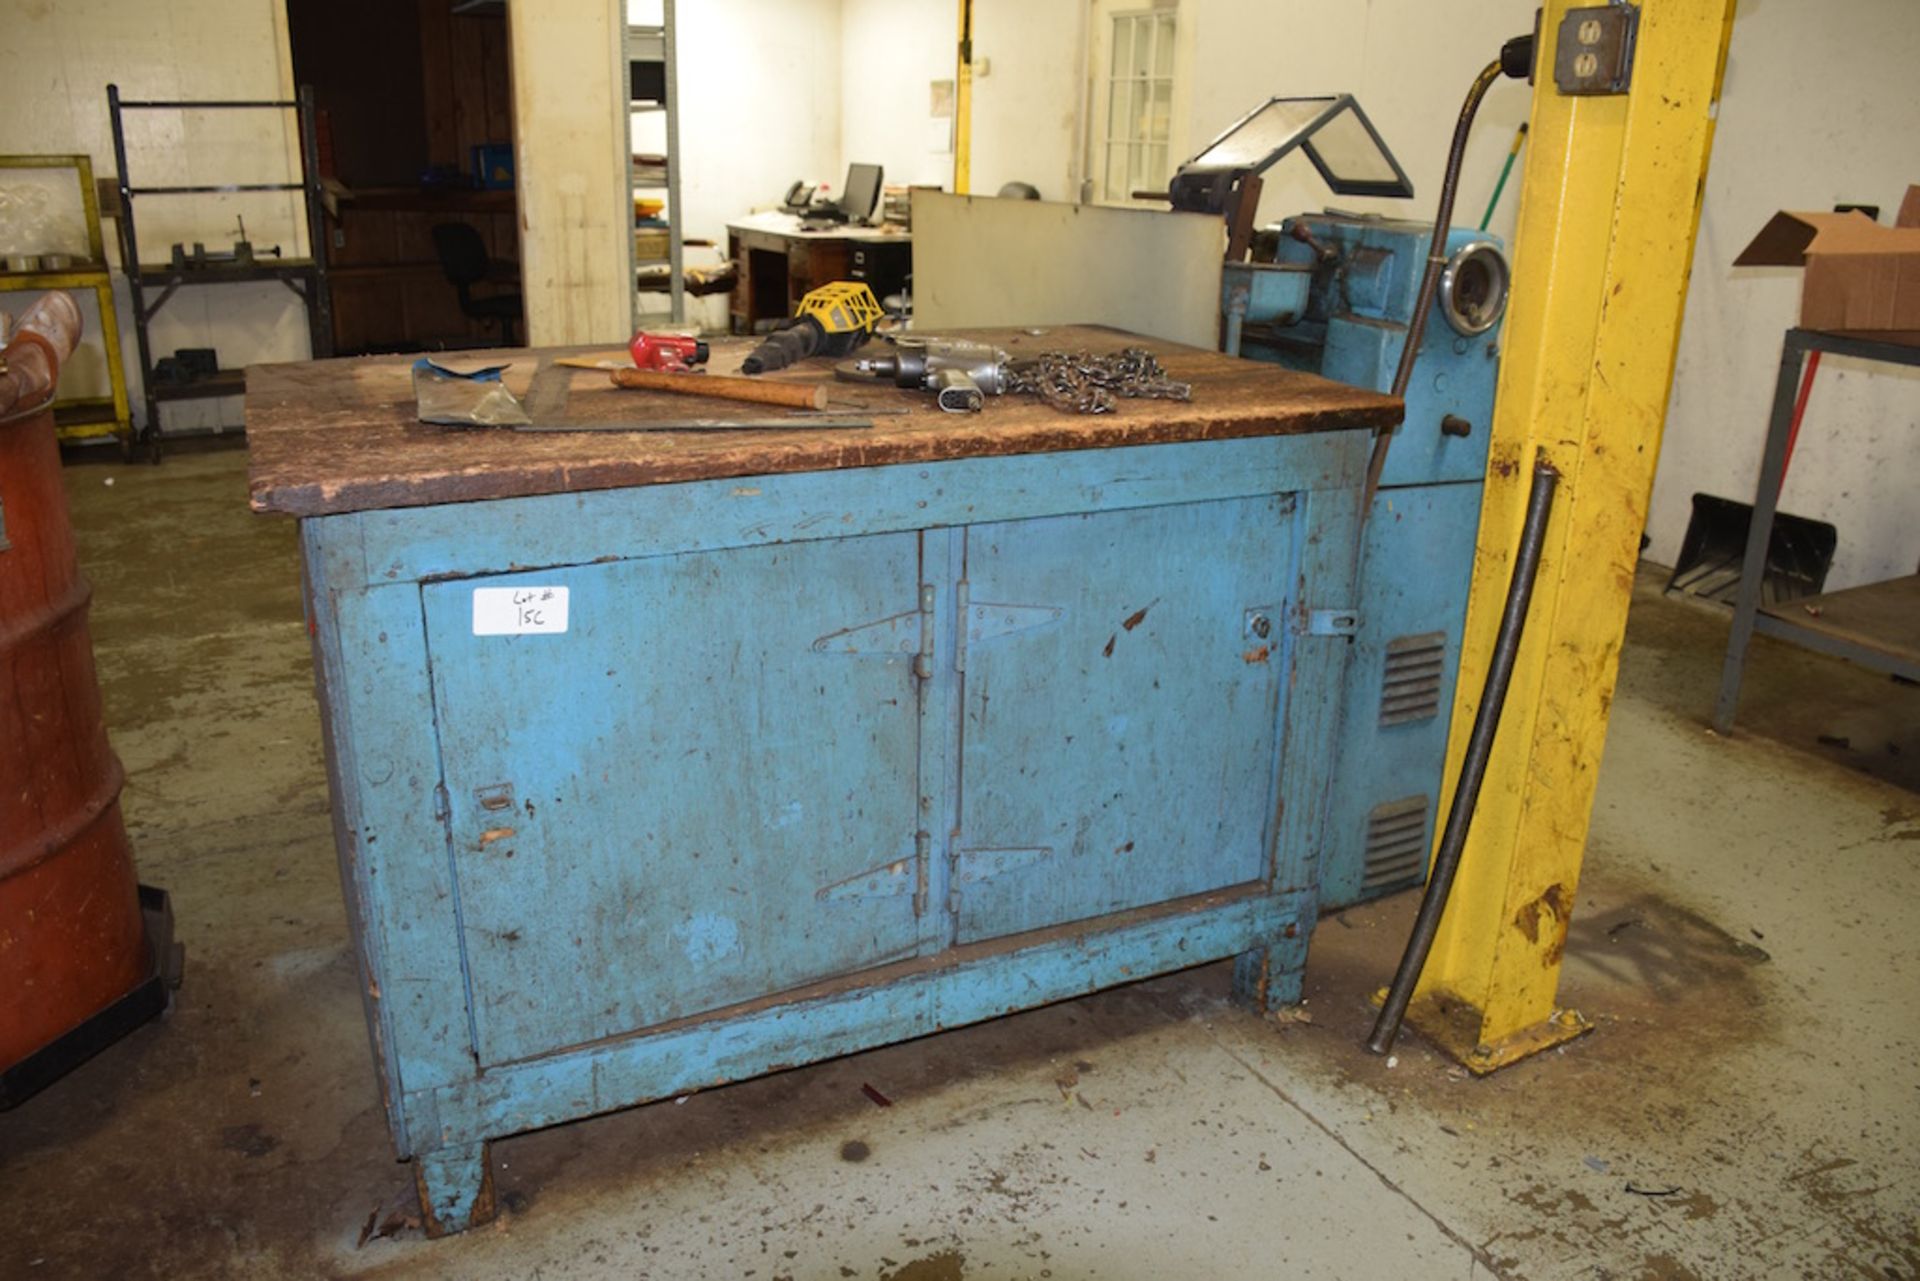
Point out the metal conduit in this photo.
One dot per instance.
(1515, 60)
(1473, 770)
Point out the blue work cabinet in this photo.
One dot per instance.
(652, 786)
(1334, 295)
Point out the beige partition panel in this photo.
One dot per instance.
(570, 153)
(981, 260)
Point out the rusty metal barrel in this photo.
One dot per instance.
(72, 938)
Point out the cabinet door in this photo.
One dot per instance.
(1418, 562)
(1121, 709)
(696, 788)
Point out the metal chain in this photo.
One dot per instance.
(1082, 383)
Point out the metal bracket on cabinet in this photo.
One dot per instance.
(1333, 622)
(990, 620)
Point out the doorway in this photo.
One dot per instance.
(1137, 95)
(414, 116)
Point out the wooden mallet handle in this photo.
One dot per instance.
(724, 387)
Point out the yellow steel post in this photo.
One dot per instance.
(963, 103)
(1609, 206)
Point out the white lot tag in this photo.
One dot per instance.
(519, 611)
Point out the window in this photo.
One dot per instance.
(1139, 104)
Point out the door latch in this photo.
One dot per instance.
(1333, 622)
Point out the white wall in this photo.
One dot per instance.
(1816, 110)
(890, 53)
(55, 63)
(760, 104)
(1027, 91)
(1026, 108)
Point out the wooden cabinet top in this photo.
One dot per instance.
(342, 435)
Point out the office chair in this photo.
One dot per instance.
(463, 258)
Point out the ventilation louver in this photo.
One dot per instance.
(1410, 682)
(1396, 845)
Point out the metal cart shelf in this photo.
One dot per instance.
(1876, 625)
(84, 417)
(306, 277)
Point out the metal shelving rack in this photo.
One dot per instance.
(1876, 625)
(306, 277)
(656, 44)
(86, 417)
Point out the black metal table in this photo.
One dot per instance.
(1876, 625)
(306, 277)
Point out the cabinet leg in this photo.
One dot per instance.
(456, 1187)
(1269, 977)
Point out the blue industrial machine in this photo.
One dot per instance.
(1332, 294)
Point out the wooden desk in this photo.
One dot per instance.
(776, 263)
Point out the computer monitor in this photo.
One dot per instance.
(861, 195)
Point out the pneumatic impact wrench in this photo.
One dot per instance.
(960, 374)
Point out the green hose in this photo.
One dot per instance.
(1513, 153)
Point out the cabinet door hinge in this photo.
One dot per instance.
(923, 661)
(961, 595)
(922, 851)
(953, 872)
(442, 807)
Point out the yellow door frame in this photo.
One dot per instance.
(1609, 207)
(963, 103)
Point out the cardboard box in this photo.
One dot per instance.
(650, 245)
(1862, 278)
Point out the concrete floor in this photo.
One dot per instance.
(1744, 938)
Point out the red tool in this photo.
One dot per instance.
(1799, 412)
(673, 353)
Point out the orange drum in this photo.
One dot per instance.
(72, 939)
